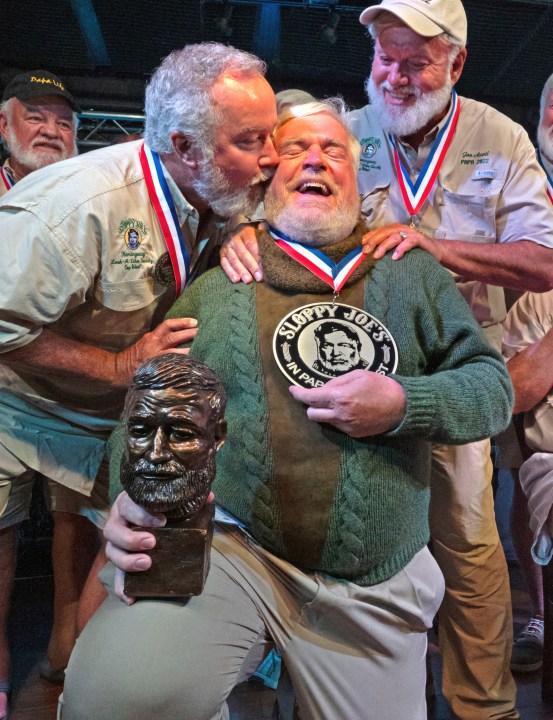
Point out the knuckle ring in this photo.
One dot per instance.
(403, 234)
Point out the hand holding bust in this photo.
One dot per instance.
(174, 424)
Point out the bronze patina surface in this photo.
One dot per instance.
(174, 425)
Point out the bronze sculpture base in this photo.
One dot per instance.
(180, 559)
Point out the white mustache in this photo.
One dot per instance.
(51, 143)
(403, 91)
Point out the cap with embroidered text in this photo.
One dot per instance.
(426, 17)
(37, 83)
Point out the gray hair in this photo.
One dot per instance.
(292, 96)
(178, 96)
(544, 95)
(6, 109)
(385, 20)
(179, 372)
(335, 107)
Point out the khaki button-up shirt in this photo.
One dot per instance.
(489, 189)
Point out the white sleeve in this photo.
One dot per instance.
(530, 318)
(536, 478)
(41, 276)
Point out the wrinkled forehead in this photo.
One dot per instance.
(401, 38)
(242, 102)
(45, 103)
(340, 337)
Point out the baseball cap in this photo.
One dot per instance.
(37, 83)
(426, 17)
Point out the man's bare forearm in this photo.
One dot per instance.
(55, 356)
(522, 265)
(52, 355)
(531, 372)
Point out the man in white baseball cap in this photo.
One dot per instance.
(428, 18)
(436, 167)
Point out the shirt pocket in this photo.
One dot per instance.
(468, 217)
(129, 294)
(374, 203)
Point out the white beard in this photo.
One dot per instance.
(315, 229)
(545, 142)
(404, 121)
(35, 158)
(213, 188)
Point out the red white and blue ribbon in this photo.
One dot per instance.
(334, 274)
(549, 189)
(6, 179)
(164, 207)
(415, 193)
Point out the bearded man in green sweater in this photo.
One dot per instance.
(320, 547)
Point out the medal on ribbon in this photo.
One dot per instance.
(334, 274)
(164, 207)
(415, 193)
(549, 189)
(6, 179)
(318, 342)
(163, 270)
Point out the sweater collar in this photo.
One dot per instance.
(285, 273)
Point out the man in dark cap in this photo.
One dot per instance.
(37, 124)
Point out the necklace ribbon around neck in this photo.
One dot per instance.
(549, 189)
(334, 274)
(8, 181)
(415, 193)
(164, 207)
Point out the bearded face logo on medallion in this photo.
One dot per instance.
(318, 342)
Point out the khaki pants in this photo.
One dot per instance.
(353, 653)
(476, 632)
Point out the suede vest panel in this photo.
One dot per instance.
(307, 454)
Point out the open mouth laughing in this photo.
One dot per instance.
(314, 187)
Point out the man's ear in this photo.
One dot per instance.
(457, 66)
(184, 149)
(220, 434)
(3, 124)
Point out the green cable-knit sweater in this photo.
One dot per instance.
(353, 508)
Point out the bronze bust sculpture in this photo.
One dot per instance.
(174, 424)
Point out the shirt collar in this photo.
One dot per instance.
(8, 168)
(548, 165)
(432, 133)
